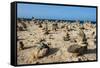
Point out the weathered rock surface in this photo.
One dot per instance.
(62, 43)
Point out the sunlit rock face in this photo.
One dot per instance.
(87, 25)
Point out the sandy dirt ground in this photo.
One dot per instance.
(59, 38)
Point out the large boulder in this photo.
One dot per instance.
(42, 49)
(77, 50)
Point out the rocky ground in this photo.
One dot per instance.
(51, 41)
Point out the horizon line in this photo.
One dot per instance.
(54, 19)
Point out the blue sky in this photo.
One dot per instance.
(56, 12)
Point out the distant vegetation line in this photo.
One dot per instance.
(65, 20)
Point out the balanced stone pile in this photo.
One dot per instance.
(33, 53)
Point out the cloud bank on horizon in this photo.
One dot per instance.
(56, 12)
